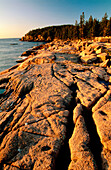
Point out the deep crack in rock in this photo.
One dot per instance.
(95, 144)
(63, 159)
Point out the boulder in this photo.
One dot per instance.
(28, 52)
(103, 39)
(99, 51)
(102, 101)
(86, 52)
(101, 73)
(103, 56)
(89, 58)
(109, 70)
(87, 94)
(104, 63)
(102, 119)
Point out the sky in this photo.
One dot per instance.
(17, 17)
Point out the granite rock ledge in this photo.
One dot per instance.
(40, 95)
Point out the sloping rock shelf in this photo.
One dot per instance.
(55, 108)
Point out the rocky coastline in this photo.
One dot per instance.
(35, 39)
(55, 108)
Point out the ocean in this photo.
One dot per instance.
(11, 49)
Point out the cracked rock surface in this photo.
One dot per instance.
(39, 97)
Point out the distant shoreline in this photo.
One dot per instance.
(9, 38)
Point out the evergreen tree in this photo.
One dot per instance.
(86, 29)
(95, 28)
(82, 27)
(90, 27)
(103, 25)
(108, 28)
(76, 31)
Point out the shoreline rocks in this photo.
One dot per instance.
(41, 94)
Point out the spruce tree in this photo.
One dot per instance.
(90, 27)
(108, 28)
(81, 26)
(76, 30)
(103, 25)
(95, 28)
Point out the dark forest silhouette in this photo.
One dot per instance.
(82, 30)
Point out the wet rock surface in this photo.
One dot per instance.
(52, 98)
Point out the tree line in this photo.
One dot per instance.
(84, 29)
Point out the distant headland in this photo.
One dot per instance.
(83, 30)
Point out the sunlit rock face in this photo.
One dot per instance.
(52, 99)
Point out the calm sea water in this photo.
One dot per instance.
(9, 53)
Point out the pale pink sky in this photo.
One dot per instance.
(17, 17)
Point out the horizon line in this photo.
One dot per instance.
(10, 37)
